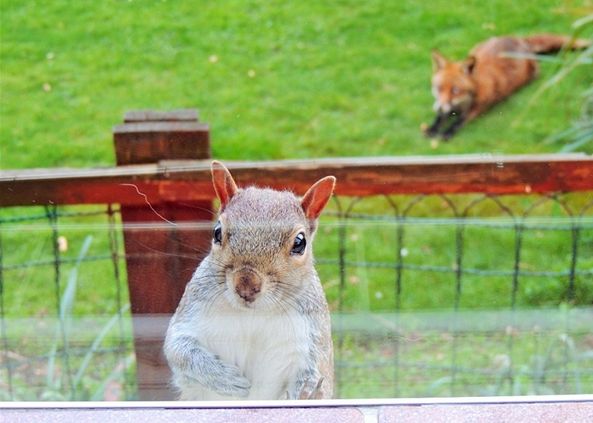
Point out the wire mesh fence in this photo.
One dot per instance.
(430, 295)
(64, 312)
(507, 283)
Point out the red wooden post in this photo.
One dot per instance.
(160, 259)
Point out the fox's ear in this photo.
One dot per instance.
(317, 197)
(224, 184)
(438, 61)
(469, 64)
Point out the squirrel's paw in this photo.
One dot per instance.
(224, 379)
(304, 389)
(232, 383)
(311, 390)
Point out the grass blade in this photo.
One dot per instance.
(95, 345)
(66, 304)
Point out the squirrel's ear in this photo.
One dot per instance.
(317, 197)
(223, 182)
(438, 60)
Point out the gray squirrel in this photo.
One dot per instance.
(254, 322)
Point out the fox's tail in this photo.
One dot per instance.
(550, 43)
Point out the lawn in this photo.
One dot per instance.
(274, 80)
(280, 80)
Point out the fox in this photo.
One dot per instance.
(493, 70)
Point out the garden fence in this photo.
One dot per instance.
(447, 227)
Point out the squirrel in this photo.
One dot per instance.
(253, 322)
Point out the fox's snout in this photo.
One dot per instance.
(442, 107)
(447, 103)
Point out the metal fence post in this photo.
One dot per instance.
(159, 261)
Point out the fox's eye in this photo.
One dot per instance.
(298, 248)
(217, 233)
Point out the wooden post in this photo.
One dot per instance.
(160, 259)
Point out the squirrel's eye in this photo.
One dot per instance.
(299, 244)
(217, 233)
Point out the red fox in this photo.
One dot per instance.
(465, 89)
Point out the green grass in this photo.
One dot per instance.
(330, 78)
(488, 260)
(418, 363)
(30, 274)
(282, 80)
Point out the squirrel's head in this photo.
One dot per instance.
(262, 241)
(453, 86)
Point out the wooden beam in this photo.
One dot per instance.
(189, 180)
(161, 261)
(147, 137)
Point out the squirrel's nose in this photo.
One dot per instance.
(247, 285)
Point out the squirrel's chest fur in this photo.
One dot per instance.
(269, 347)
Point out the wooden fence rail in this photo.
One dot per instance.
(164, 167)
(189, 180)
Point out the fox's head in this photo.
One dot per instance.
(452, 84)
